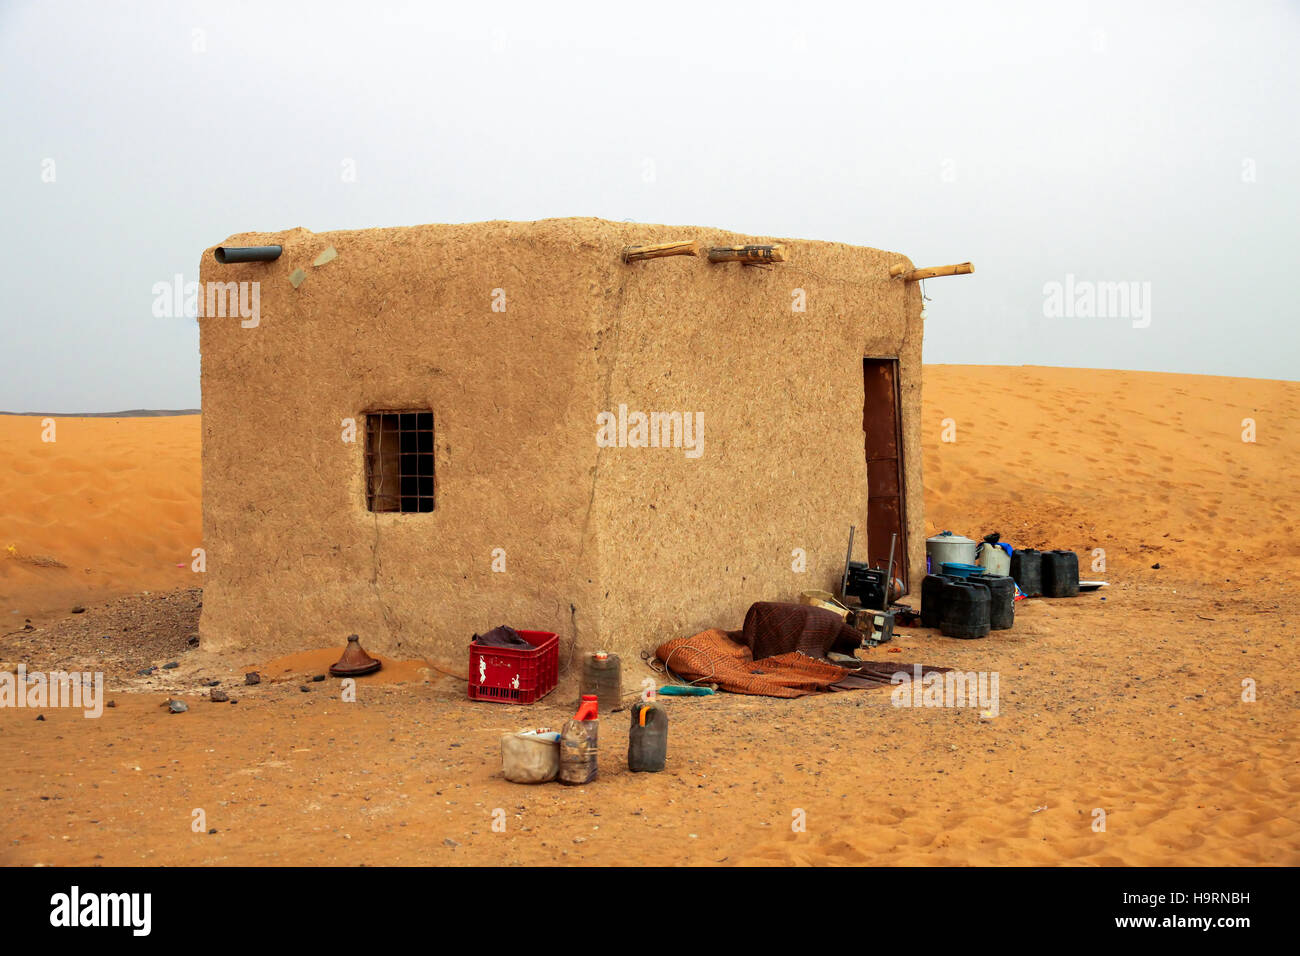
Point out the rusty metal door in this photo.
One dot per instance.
(886, 500)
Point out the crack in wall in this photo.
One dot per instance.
(375, 569)
(617, 311)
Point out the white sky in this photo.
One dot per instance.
(1105, 140)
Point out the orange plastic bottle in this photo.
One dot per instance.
(587, 708)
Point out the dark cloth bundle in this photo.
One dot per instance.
(503, 637)
(773, 628)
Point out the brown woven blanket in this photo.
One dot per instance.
(787, 661)
(712, 657)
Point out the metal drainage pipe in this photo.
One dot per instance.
(230, 254)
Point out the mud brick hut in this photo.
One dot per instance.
(429, 431)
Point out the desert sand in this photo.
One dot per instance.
(1129, 700)
(110, 507)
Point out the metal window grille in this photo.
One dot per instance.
(399, 461)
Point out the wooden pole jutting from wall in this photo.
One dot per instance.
(932, 272)
(688, 247)
(748, 254)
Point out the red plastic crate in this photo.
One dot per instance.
(509, 676)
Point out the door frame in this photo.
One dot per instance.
(902, 570)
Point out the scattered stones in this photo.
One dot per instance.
(220, 696)
(252, 677)
(145, 672)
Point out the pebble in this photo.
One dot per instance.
(147, 671)
(211, 683)
(177, 706)
(305, 689)
(78, 610)
(253, 677)
(318, 678)
(171, 666)
(218, 696)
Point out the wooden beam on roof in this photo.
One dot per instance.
(687, 247)
(932, 272)
(747, 254)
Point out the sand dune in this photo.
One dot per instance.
(1128, 701)
(1149, 466)
(110, 506)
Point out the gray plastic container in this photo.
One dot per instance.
(647, 745)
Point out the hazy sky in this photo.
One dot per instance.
(1116, 142)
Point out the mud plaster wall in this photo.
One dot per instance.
(690, 544)
(613, 547)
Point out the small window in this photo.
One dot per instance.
(399, 461)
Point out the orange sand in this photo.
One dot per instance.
(111, 506)
(318, 662)
(1149, 466)
(1131, 705)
